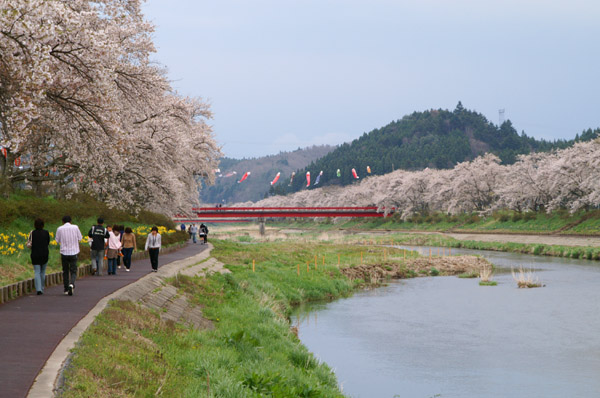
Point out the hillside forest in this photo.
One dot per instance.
(435, 139)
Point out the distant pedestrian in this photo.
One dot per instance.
(114, 245)
(121, 229)
(129, 245)
(68, 237)
(153, 243)
(204, 232)
(194, 232)
(182, 227)
(40, 240)
(99, 235)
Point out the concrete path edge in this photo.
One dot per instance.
(44, 384)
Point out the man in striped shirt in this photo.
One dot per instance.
(68, 236)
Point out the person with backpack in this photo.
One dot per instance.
(204, 232)
(38, 242)
(99, 234)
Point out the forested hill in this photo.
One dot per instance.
(434, 138)
(263, 170)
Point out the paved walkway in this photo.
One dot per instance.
(32, 326)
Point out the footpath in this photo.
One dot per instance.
(32, 327)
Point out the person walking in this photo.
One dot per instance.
(129, 245)
(68, 236)
(204, 232)
(114, 245)
(99, 235)
(194, 232)
(40, 240)
(120, 229)
(153, 242)
(182, 227)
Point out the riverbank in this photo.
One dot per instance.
(584, 247)
(249, 350)
(560, 222)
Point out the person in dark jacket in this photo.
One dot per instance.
(40, 240)
(204, 232)
(99, 234)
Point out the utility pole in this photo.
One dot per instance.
(500, 117)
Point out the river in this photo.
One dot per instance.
(449, 337)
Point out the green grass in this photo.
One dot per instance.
(580, 223)
(488, 283)
(581, 252)
(251, 352)
(590, 224)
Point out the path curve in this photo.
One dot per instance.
(32, 327)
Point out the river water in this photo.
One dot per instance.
(449, 337)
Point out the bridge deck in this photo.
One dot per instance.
(215, 213)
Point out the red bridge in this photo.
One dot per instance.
(237, 214)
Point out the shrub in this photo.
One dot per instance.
(453, 218)
(416, 219)
(8, 212)
(434, 271)
(589, 254)
(150, 218)
(538, 249)
(529, 216)
(472, 219)
(516, 217)
(501, 216)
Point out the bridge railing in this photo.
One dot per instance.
(269, 212)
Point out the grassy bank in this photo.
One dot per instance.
(582, 252)
(251, 352)
(18, 212)
(559, 222)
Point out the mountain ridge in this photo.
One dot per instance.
(262, 171)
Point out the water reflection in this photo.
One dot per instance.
(450, 336)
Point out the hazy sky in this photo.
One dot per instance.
(283, 74)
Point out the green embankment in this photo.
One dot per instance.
(559, 222)
(18, 212)
(581, 252)
(252, 352)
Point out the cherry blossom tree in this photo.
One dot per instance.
(475, 184)
(528, 183)
(84, 108)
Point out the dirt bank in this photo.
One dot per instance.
(453, 265)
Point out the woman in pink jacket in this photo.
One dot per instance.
(114, 245)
